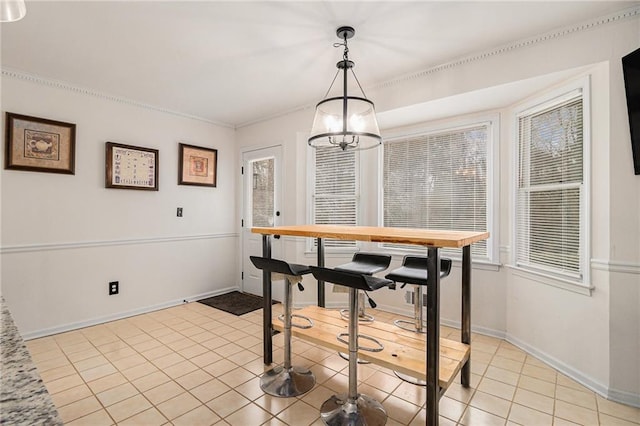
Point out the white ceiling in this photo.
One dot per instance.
(238, 62)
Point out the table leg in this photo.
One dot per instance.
(321, 297)
(465, 376)
(433, 335)
(267, 346)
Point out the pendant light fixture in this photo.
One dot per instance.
(12, 10)
(348, 122)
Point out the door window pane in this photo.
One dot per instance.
(263, 193)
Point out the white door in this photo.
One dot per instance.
(261, 193)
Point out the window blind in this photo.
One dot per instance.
(335, 197)
(550, 186)
(438, 181)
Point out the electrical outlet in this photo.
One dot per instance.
(114, 287)
(179, 212)
(410, 298)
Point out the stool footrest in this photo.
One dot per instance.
(410, 326)
(410, 379)
(344, 313)
(304, 327)
(380, 347)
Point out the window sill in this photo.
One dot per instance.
(552, 281)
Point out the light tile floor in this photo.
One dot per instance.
(195, 365)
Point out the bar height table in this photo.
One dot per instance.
(433, 240)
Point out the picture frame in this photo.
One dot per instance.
(131, 167)
(197, 165)
(39, 144)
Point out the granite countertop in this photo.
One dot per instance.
(24, 399)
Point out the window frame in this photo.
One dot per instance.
(578, 88)
(492, 120)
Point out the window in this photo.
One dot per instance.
(439, 180)
(335, 195)
(263, 192)
(550, 192)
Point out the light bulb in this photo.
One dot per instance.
(356, 123)
(332, 123)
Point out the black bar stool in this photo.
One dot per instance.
(352, 408)
(366, 264)
(414, 271)
(286, 380)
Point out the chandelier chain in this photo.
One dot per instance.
(358, 81)
(331, 85)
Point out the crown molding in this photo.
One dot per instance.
(587, 25)
(607, 19)
(32, 78)
(527, 42)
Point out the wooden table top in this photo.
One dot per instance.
(419, 236)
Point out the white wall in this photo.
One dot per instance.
(64, 237)
(593, 338)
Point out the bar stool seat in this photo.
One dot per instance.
(367, 264)
(352, 408)
(414, 271)
(286, 380)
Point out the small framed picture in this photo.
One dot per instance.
(40, 145)
(197, 165)
(131, 167)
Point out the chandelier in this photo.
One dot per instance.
(348, 122)
(12, 10)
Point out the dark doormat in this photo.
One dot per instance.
(236, 303)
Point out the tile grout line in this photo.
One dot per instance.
(179, 321)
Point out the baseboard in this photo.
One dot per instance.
(408, 312)
(622, 397)
(121, 315)
(475, 329)
(329, 305)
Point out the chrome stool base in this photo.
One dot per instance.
(411, 326)
(410, 379)
(341, 411)
(283, 382)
